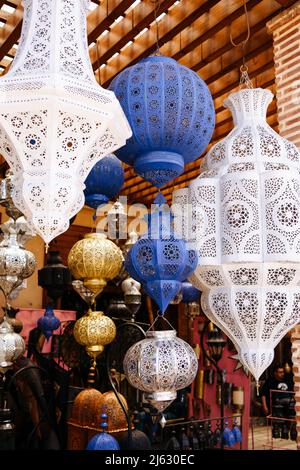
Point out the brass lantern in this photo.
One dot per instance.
(95, 260)
(94, 331)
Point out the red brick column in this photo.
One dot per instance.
(286, 40)
(285, 29)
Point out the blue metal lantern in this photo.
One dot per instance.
(104, 181)
(228, 436)
(189, 293)
(103, 440)
(236, 431)
(159, 260)
(48, 322)
(171, 114)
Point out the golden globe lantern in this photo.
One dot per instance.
(94, 331)
(95, 260)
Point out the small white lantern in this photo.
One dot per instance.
(12, 345)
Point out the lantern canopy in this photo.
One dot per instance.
(56, 122)
(104, 181)
(159, 260)
(171, 113)
(159, 365)
(242, 216)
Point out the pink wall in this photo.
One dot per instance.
(236, 377)
(30, 316)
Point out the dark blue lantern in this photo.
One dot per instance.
(228, 436)
(236, 431)
(48, 322)
(104, 181)
(103, 440)
(189, 293)
(159, 260)
(171, 114)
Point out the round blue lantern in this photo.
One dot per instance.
(159, 260)
(228, 436)
(189, 293)
(48, 322)
(236, 431)
(103, 440)
(104, 181)
(171, 113)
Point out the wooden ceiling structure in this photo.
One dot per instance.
(194, 32)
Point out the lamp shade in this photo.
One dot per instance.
(159, 365)
(159, 260)
(56, 122)
(245, 228)
(104, 181)
(171, 113)
(95, 260)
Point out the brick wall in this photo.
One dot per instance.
(286, 40)
(295, 338)
(285, 29)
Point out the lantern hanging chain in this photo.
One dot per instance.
(244, 77)
(159, 315)
(157, 4)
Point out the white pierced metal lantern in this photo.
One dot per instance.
(242, 216)
(56, 122)
(12, 345)
(159, 365)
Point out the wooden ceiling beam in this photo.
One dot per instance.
(11, 31)
(99, 20)
(147, 44)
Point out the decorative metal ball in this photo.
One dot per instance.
(48, 322)
(94, 331)
(189, 293)
(16, 263)
(12, 345)
(104, 181)
(95, 260)
(103, 440)
(159, 365)
(171, 114)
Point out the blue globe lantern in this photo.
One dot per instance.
(159, 260)
(103, 440)
(48, 322)
(104, 181)
(171, 113)
(189, 293)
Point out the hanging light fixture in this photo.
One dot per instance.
(94, 331)
(159, 365)
(104, 181)
(12, 345)
(56, 122)
(171, 113)
(95, 260)
(6, 195)
(159, 260)
(242, 216)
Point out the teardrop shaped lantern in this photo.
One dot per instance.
(159, 260)
(95, 260)
(12, 345)
(56, 122)
(171, 113)
(104, 181)
(48, 322)
(159, 365)
(242, 215)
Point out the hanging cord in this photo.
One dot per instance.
(159, 316)
(157, 4)
(245, 81)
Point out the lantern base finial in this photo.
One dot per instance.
(159, 167)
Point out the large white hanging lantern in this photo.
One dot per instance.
(242, 215)
(56, 122)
